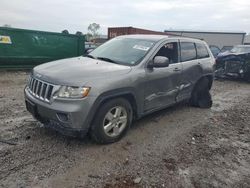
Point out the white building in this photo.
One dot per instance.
(213, 38)
(247, 39)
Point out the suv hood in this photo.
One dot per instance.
(78, 71)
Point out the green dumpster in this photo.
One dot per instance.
(21, 48)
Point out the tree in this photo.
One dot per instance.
(93, 29)
(89, 36)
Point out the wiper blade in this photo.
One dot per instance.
(90, 56)
(107, 59)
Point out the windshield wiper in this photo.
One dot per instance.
(103, 58)
(107, 59)
(90, 56)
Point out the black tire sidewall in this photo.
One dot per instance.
(201, 96)
(97, 129)
(246, 76)
(204, 99)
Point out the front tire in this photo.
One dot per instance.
(111, 121)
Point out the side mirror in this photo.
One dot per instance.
(159, 61)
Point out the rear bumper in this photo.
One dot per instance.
(69, 117)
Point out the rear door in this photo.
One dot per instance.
(162, 84)
(191, 68)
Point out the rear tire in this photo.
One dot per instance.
(201, 96)
(112, 121)
(246, 76)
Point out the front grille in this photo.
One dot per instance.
(40, 89)
(233, 66)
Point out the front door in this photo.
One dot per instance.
(162, 86)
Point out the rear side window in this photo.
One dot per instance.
(188, 51)
(201, 51)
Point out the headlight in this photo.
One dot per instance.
(73, 92)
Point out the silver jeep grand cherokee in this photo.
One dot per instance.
(124, 79)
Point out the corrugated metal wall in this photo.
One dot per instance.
(21, 48)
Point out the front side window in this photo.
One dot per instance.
(201, 51)
(188, 51)
(169, 50)
(124, 51)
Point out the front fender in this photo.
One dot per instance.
(104, 97)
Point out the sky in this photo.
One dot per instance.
(158, 15)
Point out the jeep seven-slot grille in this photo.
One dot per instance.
(40, 89)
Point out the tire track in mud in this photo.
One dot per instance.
(43, 157)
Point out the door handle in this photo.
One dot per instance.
(199, 63)
(176, 69)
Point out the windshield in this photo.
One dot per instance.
(241, 49)
(124, 51)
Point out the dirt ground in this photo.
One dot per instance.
(181, 146)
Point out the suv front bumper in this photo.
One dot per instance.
(68, 116)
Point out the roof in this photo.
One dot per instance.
(156, 37)
(208, 31)
(145, 36)
(34, 31)
(243, 45)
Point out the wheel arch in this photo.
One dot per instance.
(210, 80)
(129, 95)
(207, 77)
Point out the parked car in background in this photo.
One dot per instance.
(215, 50)
(126, 78)
(234, 63)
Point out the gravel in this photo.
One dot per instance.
(181, 146)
